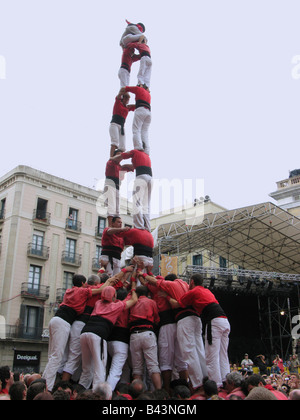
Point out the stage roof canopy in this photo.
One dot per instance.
(259, 237)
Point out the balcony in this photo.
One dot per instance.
(38, 251)
(35, 291)
(60, 292)
(95, 264)
(12, 332)
(73, 225)
(41, 216)
(288, 183)
(70, 258)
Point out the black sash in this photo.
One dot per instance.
(119, 120)
(66, 313)
(140, 249)
(143, 170)
(140, 103)
(211, 311)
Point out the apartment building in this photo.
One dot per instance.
(50, 228)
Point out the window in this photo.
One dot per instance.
(70, 250)
(68, 280)
(101, 225)
(70, 246)
(32, 321)
(223, 262)
(98, 251)
(2, 208)
(198, 260)
(37, 242)
(72, 218)
(41, 209)
(34, 279)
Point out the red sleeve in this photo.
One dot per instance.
(155, 313)
(127, 155)
(185, 300)
(131, 107)
(132, 89)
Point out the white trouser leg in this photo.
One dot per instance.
(59, 331)
(217, 353)
(119, 353)
(144, 74)
(92, 359)
(141, 201)
(124, 77)
(74, 356)
(141, 115)
(187, 330)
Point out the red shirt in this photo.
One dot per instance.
(175, 288)
(121, 109)
(113, 169)
(122, 321)
(161, 302)
(112, 240)
(76, 298)
(138, 158)
(141, 47)
(141, 94)
(138, 236)
(109, 310)
(145, 308)
(128, 56)
(199, 298)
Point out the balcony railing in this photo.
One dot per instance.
(73, 225)
(95, 264)
(60, 294)
(71, 258)
(22, 332)
(38, 251)
(290, 182)
(35, 291)
(41, 216)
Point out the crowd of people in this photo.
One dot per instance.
(238, 386)
(113, 340)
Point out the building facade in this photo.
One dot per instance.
(287, 194)
(50, 229)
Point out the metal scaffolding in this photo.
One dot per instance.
(263, 241)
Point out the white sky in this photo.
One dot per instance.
(225, 93)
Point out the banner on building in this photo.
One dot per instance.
(168, 265)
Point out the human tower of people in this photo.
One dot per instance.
(150, 328)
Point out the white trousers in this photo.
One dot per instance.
(169, 353)
(111, 197)
(116, 137)
(124, 77)
(104, 259)
(74, 356)
(119, 353)
(189, 336)
(59, 331)
(141, 199)
(143, 347)
(93, 362)
(140, 128)
(217, 353)
(144, 74)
